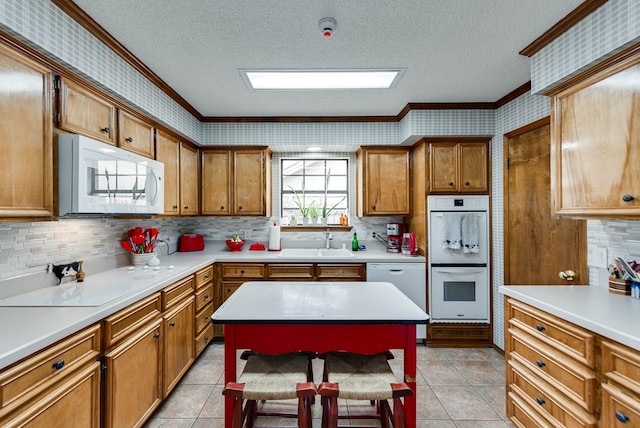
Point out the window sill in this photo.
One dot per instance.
(316, 228)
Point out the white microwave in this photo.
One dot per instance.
(98, 178)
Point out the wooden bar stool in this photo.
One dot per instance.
(272, 377)
(362, 377)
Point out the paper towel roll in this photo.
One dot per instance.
(274, 237)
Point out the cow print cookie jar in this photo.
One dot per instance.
(66, 270)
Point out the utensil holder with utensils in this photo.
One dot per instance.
(620, 286)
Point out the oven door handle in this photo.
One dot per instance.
(461, 270)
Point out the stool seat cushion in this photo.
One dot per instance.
(360, 377)
(273, 377)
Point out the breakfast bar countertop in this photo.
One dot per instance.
(591, 307)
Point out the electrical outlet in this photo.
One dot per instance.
(600, 257)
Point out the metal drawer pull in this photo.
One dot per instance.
(58, 364)
(172, 324)
(539, 327)
(206, 318)
(129, 140)
(622, 417)
(206, 296)
(540, 401)
(540, 363)
(157, 335)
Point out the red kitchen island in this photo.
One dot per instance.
(366, 317)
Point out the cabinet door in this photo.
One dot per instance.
(133, 381)
(216, 184)
(26, 164)
(179, 343)
(596, 146)
(473, 167)
(135, 135)
(84, 112)
(249, 182)
(443, 167)
(75, 403)
(188, 180)
(168, 152)
(386, 182)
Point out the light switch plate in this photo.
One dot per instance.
(600, 257)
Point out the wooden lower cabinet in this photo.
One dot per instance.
(562, 375)
(455, 335)
(178, 343)
(133, 381)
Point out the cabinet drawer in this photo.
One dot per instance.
(44, 369)
(228, 288)
(123, 323)
(203, 317)
(550, 403)
(570, 377)
(203, 276)
(522, 415)
(204, 297)
(621, 365)
(341, 272)
(563, 336)
(618, 409)
(242, 270)
(174, 293)
(284, 272)
(203, 339)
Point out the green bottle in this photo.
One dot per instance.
(354, 243)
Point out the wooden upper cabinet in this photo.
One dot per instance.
(168, 152)
(26, 164)
(135, 134)
(250, 182)
(216, 182)
(188, 180)
(458, 167)
(81, 111)
(595, 140)
(236, 181)
(383, 181)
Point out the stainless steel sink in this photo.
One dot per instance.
(304, 253)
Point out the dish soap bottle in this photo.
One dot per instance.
(354, 243)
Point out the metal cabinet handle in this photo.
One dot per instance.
(206, 276)
(466, 183)
(373, 207)
(206, 338)
(540, 363)
(186, 207)
(228, 290)
(567, 274)
(157, 335)
(241, 270)
(206, 317)
(175, 207)
(628, 198)
(172, 324)
(206, 296)
(451, 183)
(240, 207)
(58, 364)
(540, 401)
(540, 327)
(222, 208)
(622, 417)
(129, 140)
(105, 129)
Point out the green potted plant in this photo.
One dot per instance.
(313, 213)
(326, 211)
(301, 203)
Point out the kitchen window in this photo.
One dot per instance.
(314, 185)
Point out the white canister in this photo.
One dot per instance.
(274, 238)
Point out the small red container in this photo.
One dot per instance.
(191, 243)
(234, 246)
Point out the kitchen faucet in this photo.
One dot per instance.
(328, 238)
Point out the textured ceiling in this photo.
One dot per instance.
(452, 50)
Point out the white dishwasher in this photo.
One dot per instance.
(410, 278)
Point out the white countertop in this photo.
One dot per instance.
(592, 307)
(28, 329)
(318, 303)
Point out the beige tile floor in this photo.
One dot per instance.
(461, 388)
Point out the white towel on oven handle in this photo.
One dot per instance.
(469, 232)
(452, 231)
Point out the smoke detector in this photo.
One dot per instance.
(327, 26)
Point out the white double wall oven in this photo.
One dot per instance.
(459, 288)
